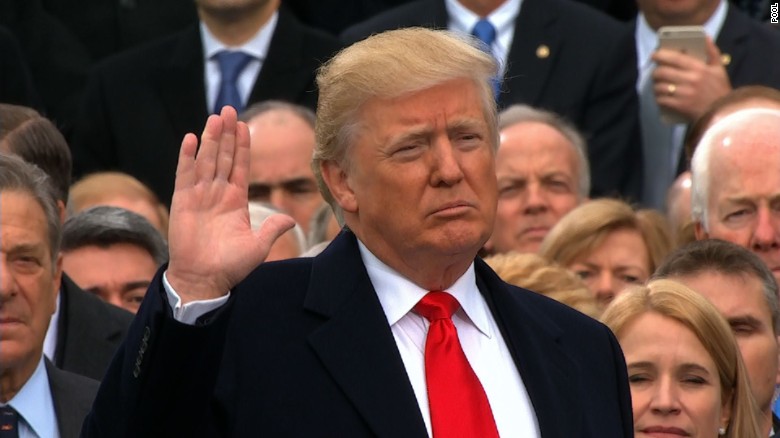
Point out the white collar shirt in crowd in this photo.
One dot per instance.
(257, 47)
(35, 406)
(646, 44)
(50, 341)
(503, 19)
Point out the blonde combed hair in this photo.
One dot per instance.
(389, 65)
(583, 229)
(674, 300)
(536, 273)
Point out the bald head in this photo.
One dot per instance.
(282, 143)
(736, 183)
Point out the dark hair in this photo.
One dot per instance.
(726, 258)
(20, 176)
(36, 140)
(104, 226)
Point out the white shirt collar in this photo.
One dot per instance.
(398, 295)
(35, 404)
(463, 19)
(257, 46)
(647, 38)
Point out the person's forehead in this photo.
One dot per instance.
(730, 292)
(537, 142)
(19, 210)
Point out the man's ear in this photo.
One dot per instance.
(699, 232)
(338, 183)
(62, 211)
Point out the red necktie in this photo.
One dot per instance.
(458, 404)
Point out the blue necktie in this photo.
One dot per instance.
(231, 64)
(9, 422)
(486, 33)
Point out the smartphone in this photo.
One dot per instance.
(690, 40)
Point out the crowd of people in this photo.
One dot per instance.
(443, 218)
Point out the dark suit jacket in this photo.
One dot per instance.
(304, 349)
(89, 331)
(16, 85)
(72, 395)
(140, 104)
(753, 50)
(589, 77)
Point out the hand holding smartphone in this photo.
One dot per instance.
(690, 40)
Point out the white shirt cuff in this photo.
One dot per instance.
(190, 312)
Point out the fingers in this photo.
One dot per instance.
(185, 169)
(713, 53)
(227, 144)
(217, 144)
(240, 172)
(205, 160)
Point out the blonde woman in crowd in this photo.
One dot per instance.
(609, 245)
(684, 368)
(534, 272)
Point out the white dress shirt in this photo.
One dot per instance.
(50, 340)
(478, 333)
(257, 47)
(503, 19)
(35, 406)
(646, 44)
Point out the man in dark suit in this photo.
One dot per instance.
(85, 331)
(16, 86)
(333, 346)
(141, 103)
(560, 56)
(37, 398)
(740, 51)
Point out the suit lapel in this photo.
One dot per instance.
(283, 72)
(533, 53)
(356, 345)
(542, 363)
(181, 85)
(731, 39)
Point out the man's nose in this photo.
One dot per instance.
(7, 283)
(536, 199)
(765, 234)
(448, 169)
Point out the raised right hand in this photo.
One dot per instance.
(212, 245)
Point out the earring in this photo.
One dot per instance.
(721, 431)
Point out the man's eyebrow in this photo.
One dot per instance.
(26, 247)
(135, 285)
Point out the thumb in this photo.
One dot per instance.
(270, 230)
(713, 53)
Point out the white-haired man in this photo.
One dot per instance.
(543, 173)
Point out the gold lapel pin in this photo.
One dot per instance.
(542, 51)
(725, 59)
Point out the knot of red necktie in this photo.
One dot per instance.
(437, 305)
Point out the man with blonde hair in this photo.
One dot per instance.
(362, 339)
